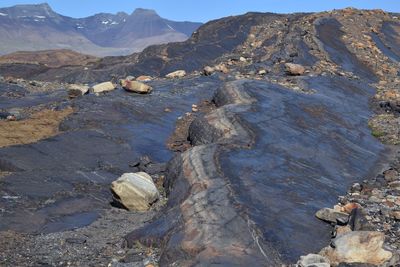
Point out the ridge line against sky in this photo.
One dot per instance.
(190, 10)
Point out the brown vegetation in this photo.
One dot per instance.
(40, 125)
(49, 58)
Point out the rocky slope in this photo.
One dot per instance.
(48, 58)
(298, 107)
(38, 27)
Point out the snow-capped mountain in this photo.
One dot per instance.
(38, 27)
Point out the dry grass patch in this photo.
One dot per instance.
(40, 125)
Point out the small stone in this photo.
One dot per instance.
(207, 71)
(294, 69)
(221, 68)
(356, 188)
(11, 118)
(145, 160)
(176, 74)
(374, 199)
(103, 87)
(330, 215)
(395, 184)
(144, 78)
(76, 90)
(262, 72)
(395, 215)
(313, 260)
(391, 175)
(242, 59)
(130, 78)
(136, 87)
(349, 207)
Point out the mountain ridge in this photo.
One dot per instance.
(38, 27)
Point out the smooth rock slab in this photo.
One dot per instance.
(136, 191)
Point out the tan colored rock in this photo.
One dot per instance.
(341, 230)
(349, 207)
(313, 260)
(144, 78)
(103, 87)
(208, 70)
(221, 68)
(75, 90)
(262, 72)
(136, 87)
(331, 215)
(396, 215)
(357, 246)
(294, 69)
(176, 74)
(136, 191)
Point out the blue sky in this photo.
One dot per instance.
(203, 10)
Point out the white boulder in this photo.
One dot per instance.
(136, 191)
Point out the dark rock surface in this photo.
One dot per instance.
(272, 150)
(269, 141)
(101, 139)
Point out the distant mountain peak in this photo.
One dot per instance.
(41, 6)
(29, 10)
(38, 27)
(144, 12)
